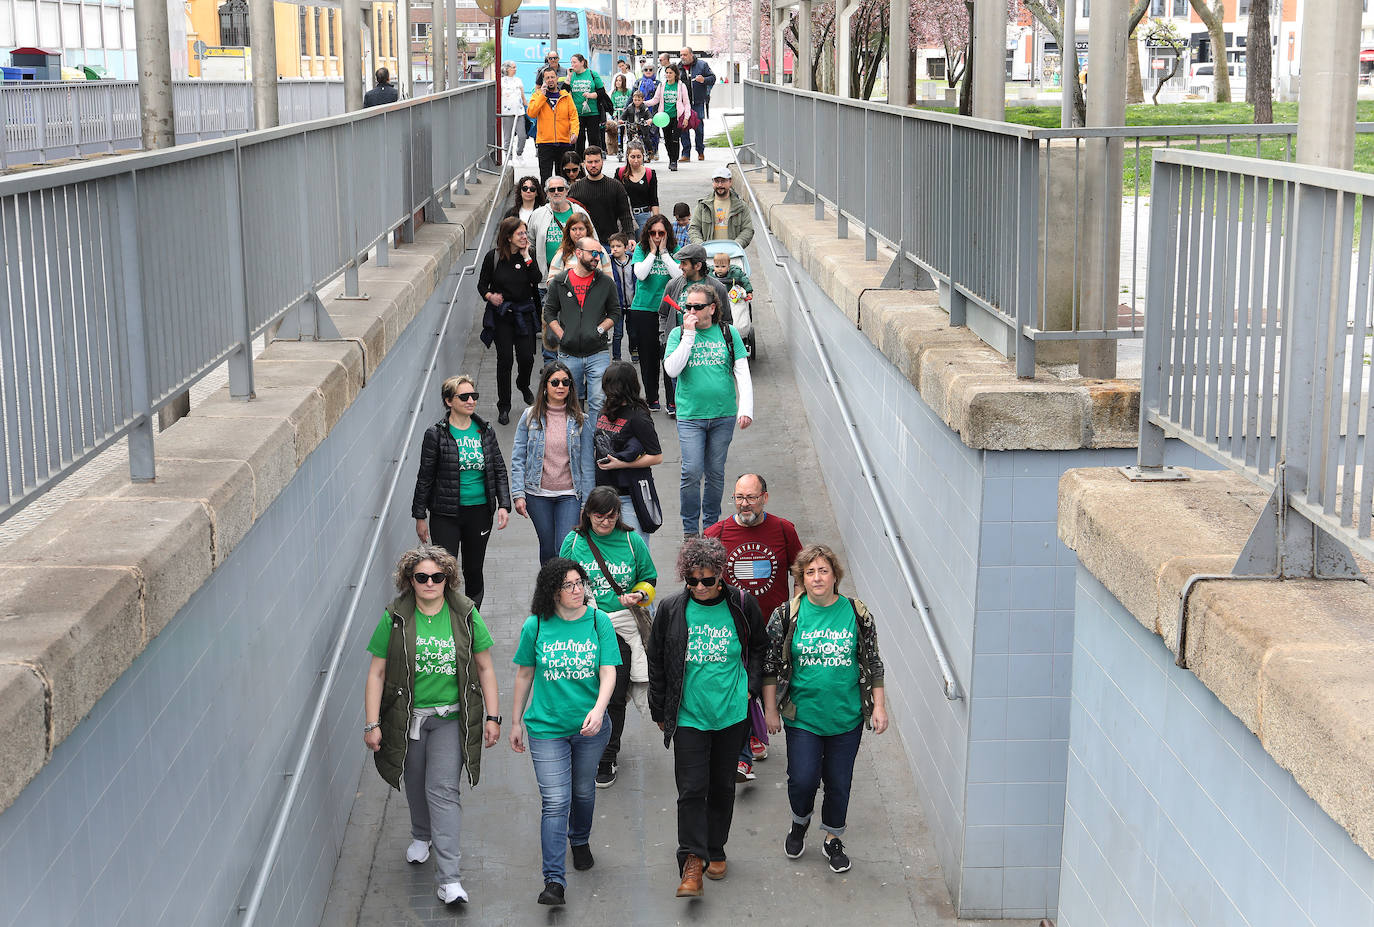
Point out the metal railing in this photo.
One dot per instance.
(127, 279)
(1257, 345)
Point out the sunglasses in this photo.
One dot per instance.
(467, 397)
(572, 171)
(426, 578)
(699, 305)
(560, 381)
(707, 581)
(558, 189)
(529, 189)
(658, 233)
(590, 255)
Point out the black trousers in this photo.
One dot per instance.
(644, 336)
(704, 764)
(511, 347)
(466, 538)
(672, 140)
(590, 131)
(550, 156)
(620, 696)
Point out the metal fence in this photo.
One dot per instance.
(127, 279)
(1257, 345)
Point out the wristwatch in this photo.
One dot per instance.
(368, 728)
(496, 718)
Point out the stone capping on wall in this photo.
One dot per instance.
(86, 589)
(1291, 659)
(973, 388)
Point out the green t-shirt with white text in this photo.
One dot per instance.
(472, 464)
(583, 88)
(706, 386)
(825, 668)
(436, 666)
(567, 657)
(553, 238)
(626, 556)
(715, 687)
(649, 291)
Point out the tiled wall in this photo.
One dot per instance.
(1176, 815)
(154, 811)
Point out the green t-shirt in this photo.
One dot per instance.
(670, 99)
(825, 668)
(553, 238)
(436, 666)
(626, 555)
(706, 386)
(649, 291)
(619, 100)
(472, 463)
(583, 88)
(715, 688)
(567, 657)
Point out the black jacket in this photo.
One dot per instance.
(437, 484)
(580, 337)
(667, 650)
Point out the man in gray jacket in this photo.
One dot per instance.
(723, 214)
(695, 269)
(581, 309)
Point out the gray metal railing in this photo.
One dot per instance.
(1257, 350)
(127, 279)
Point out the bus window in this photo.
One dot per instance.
(534, 24)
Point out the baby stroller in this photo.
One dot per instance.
(740, 306)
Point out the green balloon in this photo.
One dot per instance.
(660, 119)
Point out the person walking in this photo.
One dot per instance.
(626, 442)
(577, 228)
(509, 283)
(565, 673)
(461, 485)
(672, 99)
(547, 221)
(700, 79)
(722, 215)
(383, 93)
(705, 659)
(759, 550)
(622, 574)
(654, 268)
(527, 196)
(556, 125)
(581, 309)
(602, 197)
(622, 272)
(647, 87)
(584, 84)
(696, 268)
(550, 464)
(822, 683)
(430, 653)
(641, 186)
(620, 98)
(513, 109)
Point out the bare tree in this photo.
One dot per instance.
(1050, 14)
(1212, 17)
(1259, 63)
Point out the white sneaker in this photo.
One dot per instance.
(418, 851)
(451, 892)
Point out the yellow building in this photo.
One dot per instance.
(309, 38)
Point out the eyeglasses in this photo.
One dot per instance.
(589, 255)
(557, 189)
(700, 305)
(707, 581)
(560, 381)
(748, 499)
(605, 516)
(422, 579)
(571, 585)
(529, 189)
(467, 397)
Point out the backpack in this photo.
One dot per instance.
(620, 173)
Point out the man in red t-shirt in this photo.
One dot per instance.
(759, 550)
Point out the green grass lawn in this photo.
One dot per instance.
(736, 133)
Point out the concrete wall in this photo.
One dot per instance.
(152, 812)
(1176, 814)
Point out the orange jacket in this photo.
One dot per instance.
(557, 123)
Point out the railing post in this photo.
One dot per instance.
(1027, 253)
(816, 156)
(241, 360)
(74, 108)
(40, 124)
(108, 94)
(141, 463)
(1164, 245)
(408, 177)
(870, 237)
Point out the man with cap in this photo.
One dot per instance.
(723, 214)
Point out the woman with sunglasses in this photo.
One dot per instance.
(509, 282)
(461, 483)
(550, 466)
(565, 673)
(706, 654)
(525, 199)
(571, 166)
(654, 268)
(622, 574)
(431, 652)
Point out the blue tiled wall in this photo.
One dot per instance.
(1175, 814)
(154, 811)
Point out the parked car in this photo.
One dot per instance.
(1202, 80)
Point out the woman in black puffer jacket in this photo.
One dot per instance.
(462, 484)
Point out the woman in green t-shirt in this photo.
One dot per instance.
(431, 654)
(615, 131)
(824, 676)
(565, 674)
(654, 267)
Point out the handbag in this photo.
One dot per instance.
(689, 121)
(643, 620)
(644, 495)
(757, 722)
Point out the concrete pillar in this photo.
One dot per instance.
(262, 36)
(1070, 48)
(1330, 78)
(844, 40)
(755, 38)
(405, 74)
(1102, 188)
(898, 53)
(351, 54)
(653, 31)
(779, 46)
(801, 68)
(438, 56)
(990, 59)
(451, 15)
(154, 51)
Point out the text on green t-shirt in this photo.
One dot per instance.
(649, 291)
(567, 657)
(825, 668)
(715, 687)
(670, 99)
(626, 556)
(553, 238)
(706, 386)
(619, 100)
(583, 88)
(436, 666)
(472, 464)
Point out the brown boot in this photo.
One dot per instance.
(691, 878)
(715, 869)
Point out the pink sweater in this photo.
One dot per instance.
(557, 469)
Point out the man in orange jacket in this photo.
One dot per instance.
(555, 116)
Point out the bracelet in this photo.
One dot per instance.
(369, 728)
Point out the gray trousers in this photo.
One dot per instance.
(433, 766)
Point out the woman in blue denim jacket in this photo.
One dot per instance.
(551, 463)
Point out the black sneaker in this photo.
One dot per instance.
(795, 844)
(503, 416)
(672, 410)
(582, 857)
(605, 775)
(834, 852)
(552, 893)
(527, 394)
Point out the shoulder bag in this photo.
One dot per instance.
(643, 619)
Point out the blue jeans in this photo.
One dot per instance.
(586, 374)
(553, 517)
(813, 759)
(629, 516)
(700, 110)
(565, 768)
(705, 442)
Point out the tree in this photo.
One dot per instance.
(1162, 32)
(486, 54)
(1135, 92)
(1050, 14)
(946, 23)
(1259, 63)
(1212, 17)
